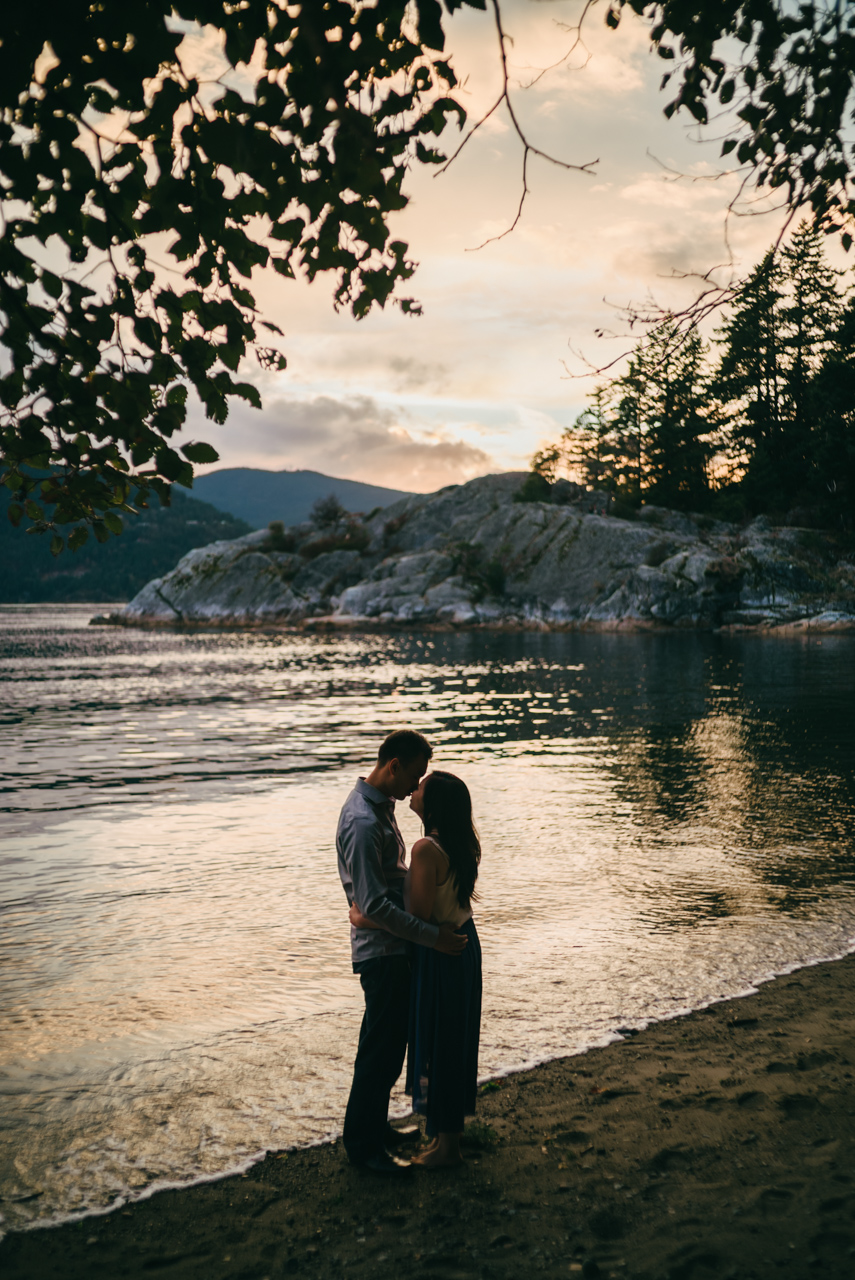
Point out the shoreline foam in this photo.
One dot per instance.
(716, 1143)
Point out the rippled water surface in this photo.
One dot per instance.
(665, 819)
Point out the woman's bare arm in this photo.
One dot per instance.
(422, 878)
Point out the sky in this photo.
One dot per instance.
(499, 363)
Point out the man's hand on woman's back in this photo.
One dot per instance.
(449, 942)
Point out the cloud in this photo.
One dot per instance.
(351, 436)
(412, 374)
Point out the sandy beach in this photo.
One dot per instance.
(714, 1145)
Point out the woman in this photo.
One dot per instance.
(445, 1001)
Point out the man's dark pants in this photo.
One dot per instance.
(380, 1055)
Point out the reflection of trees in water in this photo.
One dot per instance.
(739, 747)
(763, 779)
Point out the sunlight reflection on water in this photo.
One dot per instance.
(665, 820)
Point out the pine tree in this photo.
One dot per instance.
(832, 475)
(645, 433)
(630, 427)
(589, 445)
(810, 314)
(775, 340)
(778, 412)
(748, 383)
(677, 439)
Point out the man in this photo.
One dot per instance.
(372, 866)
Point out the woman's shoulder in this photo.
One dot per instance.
(427, 850)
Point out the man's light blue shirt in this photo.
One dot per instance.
(372, 866)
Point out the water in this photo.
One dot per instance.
(666, 820)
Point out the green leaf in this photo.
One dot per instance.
(77, 537)
(430, 24)
(271, 359)
(174, 468)
(243, 296)
(100, 530)
(248, 392)
(51, 284)
(15, 513)
(200, 452)
(113, 522)
(56, 544)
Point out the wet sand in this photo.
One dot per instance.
(715, 1145)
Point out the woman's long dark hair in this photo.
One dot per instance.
(448, 812)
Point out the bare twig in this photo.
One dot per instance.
(686, 321)
(528, 147)
(523, 194)
(575, 31)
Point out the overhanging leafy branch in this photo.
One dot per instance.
(137, 201)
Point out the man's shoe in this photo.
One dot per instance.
(401, 1137)
(384, 1163)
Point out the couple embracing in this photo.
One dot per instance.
(416, 950)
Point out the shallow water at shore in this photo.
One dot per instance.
(665, 821)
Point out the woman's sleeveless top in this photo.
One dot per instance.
(446, 909)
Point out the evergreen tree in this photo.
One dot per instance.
(748, 383)
(589, 446)
(629, 429)
(645, 434)
(832, 473)
(779, 410)
(810, 313)
(675, 435)
(775, 340)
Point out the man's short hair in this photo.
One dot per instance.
(405, 745)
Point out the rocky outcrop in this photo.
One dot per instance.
(472, 555)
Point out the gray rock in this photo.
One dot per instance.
(452, 593)
(223, 581)
(472, 555)
(287, 564)
(327, 574)
(673, 521)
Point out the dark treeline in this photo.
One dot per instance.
(760, 421)
(152, 543)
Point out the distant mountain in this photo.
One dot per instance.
(258, 496)
(151, 544)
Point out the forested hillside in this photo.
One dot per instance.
(151, 544)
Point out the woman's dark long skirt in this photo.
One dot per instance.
(445, 1026)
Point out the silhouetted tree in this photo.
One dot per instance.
(677, 435)
(327, 512)
(832, 473)
(748, 382)
(777, 411)
(590, 445)
(810, 313)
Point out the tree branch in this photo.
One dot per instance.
(528, 147)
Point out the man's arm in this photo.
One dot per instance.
(361, 844)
